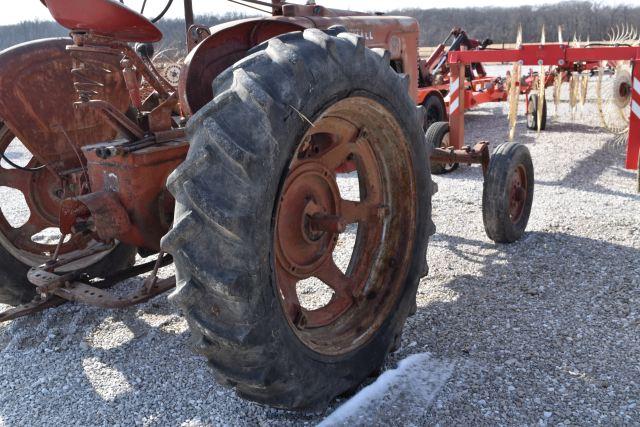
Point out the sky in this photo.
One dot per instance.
(33, 9)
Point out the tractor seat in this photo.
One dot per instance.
(106, 17)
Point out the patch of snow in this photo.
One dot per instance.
(397, 397)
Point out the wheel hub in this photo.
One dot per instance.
(518, 194)
(309, 202)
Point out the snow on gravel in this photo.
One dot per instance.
(413, 384)
(544, 331)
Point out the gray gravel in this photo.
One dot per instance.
(544, 331)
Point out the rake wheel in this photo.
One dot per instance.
(536, 113)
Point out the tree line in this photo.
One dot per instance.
(585, 19)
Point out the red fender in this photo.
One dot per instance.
(37, 96)
(227, 44)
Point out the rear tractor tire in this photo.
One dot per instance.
(258, 211)
(508, 193)
(20, 249)
(437, 136)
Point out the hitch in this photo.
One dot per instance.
(478, 154)
(56, 289)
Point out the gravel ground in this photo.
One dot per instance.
(544, 331)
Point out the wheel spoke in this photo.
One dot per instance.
(331, 275)
(33, 226)
(333, 142)
(287, 286)
(15, 178)
(352, 212)
(337, 154)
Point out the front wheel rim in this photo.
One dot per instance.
(518, 193)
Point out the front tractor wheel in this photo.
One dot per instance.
(434, 111)
(508, 193)
(437, 136)
(263, 220)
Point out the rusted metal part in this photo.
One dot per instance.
(100, 212)
(138, 177)
(160, 117)
(28, 71)
(326, 223)
(311, 214)
(117, 120)
(67, 287)
(188, 18)
(195, 35)
(518, 193)
(43, 192)
(104, 17)
(153, 277)
(292, 10)
(47, 282)
(89, 46)
(230, 42)
(132, 83)
(227, 44)
(35, 306)
(79, 255)
(40, 304)
(80, 292)
(449, 155)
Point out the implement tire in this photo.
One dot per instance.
(507, 194)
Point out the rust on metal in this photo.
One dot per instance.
(67, 287)
(104, 17)
(32, 307)
(311, 214)
(43, 193)
(230, 42)
(479, 154)
(138, 177)
(518, 193)
(28, 71)
(100, 211)
(80, 292)
(105, 169)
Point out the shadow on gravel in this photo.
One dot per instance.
(552, 318)
(79, 365)
(561, 127)
(525, 310)
(585, 172)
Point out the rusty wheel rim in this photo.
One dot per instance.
(43, 192)
(311, 215)
(518, 193)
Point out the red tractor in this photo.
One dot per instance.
(232, 176)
